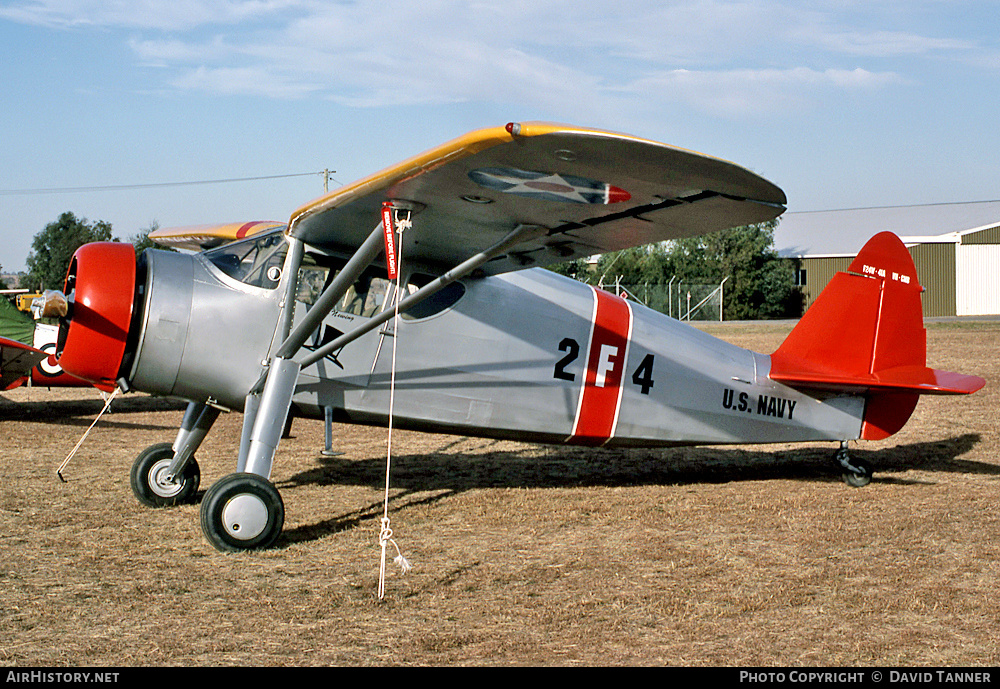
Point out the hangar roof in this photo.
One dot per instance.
(844, 232)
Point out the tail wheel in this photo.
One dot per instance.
(150, 482)
(242, 512)
(856, 472)
(859, 475)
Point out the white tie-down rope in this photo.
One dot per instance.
(107, 404)
(385, 532)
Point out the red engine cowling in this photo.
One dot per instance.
(100, 287)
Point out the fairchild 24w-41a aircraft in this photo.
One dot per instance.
(300, 318)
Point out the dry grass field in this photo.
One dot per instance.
(522, 554)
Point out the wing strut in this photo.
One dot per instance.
(267, 403)
(269, 400)
(361, 259)
(520, 234)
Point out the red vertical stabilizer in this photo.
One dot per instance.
(865, 334)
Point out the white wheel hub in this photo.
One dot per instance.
(159, 483)
(244, 516)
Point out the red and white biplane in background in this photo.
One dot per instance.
(301, 318)
(17, 360)
(34, 364)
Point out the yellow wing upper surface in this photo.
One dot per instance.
(208, 236)
(592, 191)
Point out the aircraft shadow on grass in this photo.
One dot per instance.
(427, 478)
(467, 464)
(80, 413)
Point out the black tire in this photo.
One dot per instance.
(860, 478)
(150, 489)
(242, 512)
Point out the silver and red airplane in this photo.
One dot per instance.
(300, 318)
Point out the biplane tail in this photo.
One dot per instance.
(865, 334)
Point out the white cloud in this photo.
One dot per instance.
(174, 52)
(881, 43)
(169, 15)
(244, 81)
(723, 57)
(765, 92)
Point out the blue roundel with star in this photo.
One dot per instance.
(548, 186)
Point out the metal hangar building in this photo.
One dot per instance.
(955, 246)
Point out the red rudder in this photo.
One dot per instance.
(865, 334)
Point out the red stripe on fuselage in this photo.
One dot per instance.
(607, 356)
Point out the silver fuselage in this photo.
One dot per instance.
(518, 355)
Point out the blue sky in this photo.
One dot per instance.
(842, 104)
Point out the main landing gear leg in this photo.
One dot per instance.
(165, 474)
(857, 472)
(244, 511)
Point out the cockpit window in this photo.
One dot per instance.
(257, 261)
(441, 300)
(366, 297)
(371, 293)
(312, 279)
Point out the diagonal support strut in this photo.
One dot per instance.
(518, 235)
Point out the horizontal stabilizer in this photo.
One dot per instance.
(918, 379)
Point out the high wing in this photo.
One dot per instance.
(16, 361)
(586, 191)
(203, 237)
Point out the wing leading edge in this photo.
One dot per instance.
(589, 191)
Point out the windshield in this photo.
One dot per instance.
(257, 261)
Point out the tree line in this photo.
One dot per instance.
(760, 284)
